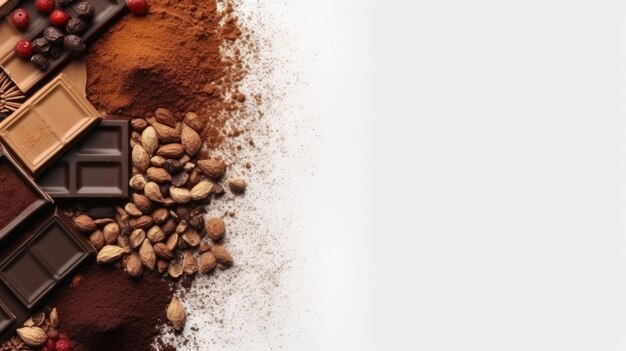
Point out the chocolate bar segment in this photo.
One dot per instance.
(48, 124)
(46, 252)
(20, 197)
(97, 167)
(23, 72)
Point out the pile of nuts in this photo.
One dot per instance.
(39, 332)
(163, 226)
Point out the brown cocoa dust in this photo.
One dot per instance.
(14, 188)
(103, 310)
(172, 58)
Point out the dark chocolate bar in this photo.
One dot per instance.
(23, 200)
(23, 72)
(30, 268)
(97, 167)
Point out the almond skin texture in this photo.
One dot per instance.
(207, 262)
(85, 224)
(222, 255)
(35, 336)
(150, 140)
(166, 134)
(165, 116)
(176, 313)
(212, 167)
(194, 121)
(133, 265)
(237, 185)
(215, 229)
(141, 158)
(191, 140)
(110, 253)
(147, 255)
(158, 175)
(97, 240)
(171, 150)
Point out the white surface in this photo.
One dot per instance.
(452, 177)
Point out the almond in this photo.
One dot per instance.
(85, 224)
(136, 237)
(142, 202)
(147, 254)
(158, 161)
(194, 121)
(133, 210)
(54, 318)
(133, 265)
(137, 182)
(150, 140)
(201, 190)
(155, 234)
(158, 175)
(166, 134)
(191, 237)
(138, 124)
(215, 228)
(140, 158)
(163, 252)
(222, 255)
(172, 242)
(190, 140)
(36, 337)
(153, 192)
(180, 195)
(169, 226)
(97, 240)
(161, 215)
(204, 247)
(162, 265)
(195, 177)
(237, 185)
(110, 253)
(212, 167)
(172, 150)
(190, 263)
(207, 262)
(165, 116)
(175, 269)
(111, 232)
(142, 222)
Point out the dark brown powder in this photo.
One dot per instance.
(15, 194)
(103, 310)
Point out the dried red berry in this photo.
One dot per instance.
(138, 7)
(45, 6)
(20, 18)
(50, 345)
(59, 18)
(64, 345)
(24, 49)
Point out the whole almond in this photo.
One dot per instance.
(137, 182)
(169, 226)
(133, 210)
(204, 247)
(160, 216)
(143, 222)
(175, 269)
(191, 140)
(54, 318)
(222, 255)
(142, 202)
(162, 265)
(165, 116)
(237, 185)
(135, 139)
(97, 239)
(153, 192)
(180, 195)
(191, 238)
(147, 254)
(110, 253)
(194, 121)
(166, 134)
(36, 337)
(195, 177)
(155, 234)
(190, 263)
(136, 237)
(158, 175)
(201, 190)
(172, 150)
(101, 222)
(158, 161)
(85, 224)
(111, 232)
(207, 262)
(150, 140)
(163, 252)
(172, 242)
(141, 158)
(132, 265)
(212, 167)
(138, 124)
(215, 228)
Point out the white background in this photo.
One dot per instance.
(469, 189)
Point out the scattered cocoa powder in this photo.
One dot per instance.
(12, 187)
(103, 310)
(172, 58)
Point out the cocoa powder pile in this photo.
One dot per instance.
(103, 310)
(12, 187)
(173, 58)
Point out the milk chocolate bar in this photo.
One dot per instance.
(97, 167)
(23, 72)
(48, 124)
(47, 252)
